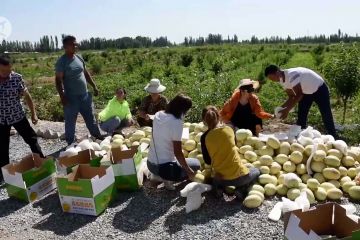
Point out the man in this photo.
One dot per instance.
(71, 83)
(12, 88)
(303, 86)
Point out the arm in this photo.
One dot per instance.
(294, 96)
(59, 86)
(90, 80)
(227, 111)
(258, 110)
(204, 150)
(181, 159)
(142, 109)
(30, 103)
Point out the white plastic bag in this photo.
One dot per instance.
(303, 202)
(275, 213)
(308, 132)
(294, 131)
(288, 205)
(341, 146)
(85, 145)
(305, 140)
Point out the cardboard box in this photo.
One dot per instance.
(31, 178)
(65, 164)
(325, 221)
(86, 190)
(125, 164)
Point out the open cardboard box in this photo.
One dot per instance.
(325, 221)
(31, 178)
(65, 164)
(86, 190)
(125, 164)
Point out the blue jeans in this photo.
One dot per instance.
(174, 170)
(82, 104)
(110, 125)
(241, 182)
(322, 98)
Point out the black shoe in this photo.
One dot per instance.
(240, 196)
(218, 192)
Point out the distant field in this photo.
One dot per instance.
(208, 74)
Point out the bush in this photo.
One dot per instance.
(217, 66)
(186, 60)
(96, 66)
(343, 73)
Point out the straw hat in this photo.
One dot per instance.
(246, 82)
(155, 86)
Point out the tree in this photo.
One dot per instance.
(343, 74)
(56, 43)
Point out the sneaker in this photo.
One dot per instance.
(169, 185)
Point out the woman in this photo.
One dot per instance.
(243, 109)
(166, 160)
(116, 114)
(152, 103)
(219, 151)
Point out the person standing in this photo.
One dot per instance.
(303, 86)
(152, 103)
(12, 88)
(71, 83)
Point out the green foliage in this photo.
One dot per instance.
(96, 65)
(186, 59)
(343, 73)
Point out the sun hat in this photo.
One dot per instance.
(246, 82)
(155, 86)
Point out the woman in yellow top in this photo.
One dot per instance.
(219, 151)
(116, 114)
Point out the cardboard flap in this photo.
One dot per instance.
(85, 171)
(117, 155)
(309, 220)
(343, 225)
(27, 163)
(82, 157)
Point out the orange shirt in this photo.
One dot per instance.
(228, 110)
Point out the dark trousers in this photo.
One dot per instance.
(26, 132)
(322, 98)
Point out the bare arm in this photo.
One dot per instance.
(181, 159)
(294, 96)
(30, 103)
(91, 81)
(59, 76)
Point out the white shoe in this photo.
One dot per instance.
(169, 185)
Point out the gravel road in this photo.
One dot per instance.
(145, 214)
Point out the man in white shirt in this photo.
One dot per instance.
(303, 86)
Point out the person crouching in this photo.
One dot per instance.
(219, 151)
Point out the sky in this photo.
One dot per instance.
(176, 19)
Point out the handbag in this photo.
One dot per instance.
(169, 171)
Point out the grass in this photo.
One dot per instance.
(208, 74)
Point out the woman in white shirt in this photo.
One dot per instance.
(166, 160)
(303, 86)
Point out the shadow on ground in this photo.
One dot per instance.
(50, 205)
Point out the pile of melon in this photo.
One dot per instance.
(283, 166)
(332, 168)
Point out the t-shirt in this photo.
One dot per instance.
(225, 159)
(309, 80)
(166, 130)
(11, 110)
(74, 78)
(114, 108)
